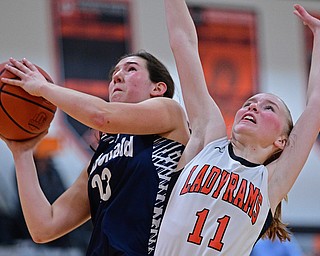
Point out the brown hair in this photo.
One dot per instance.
(157, 71)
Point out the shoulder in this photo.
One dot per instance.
(197, 149)
(166, 117)
(163, 102)
(167, 110)
(163, 107)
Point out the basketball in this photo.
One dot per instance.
(22, 116)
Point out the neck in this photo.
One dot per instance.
(250, 151)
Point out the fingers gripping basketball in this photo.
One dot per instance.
(22, 116)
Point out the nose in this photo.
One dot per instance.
(253, 106)
(117, 77)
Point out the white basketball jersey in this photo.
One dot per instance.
(217, 207)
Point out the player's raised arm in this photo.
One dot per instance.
(205, 118)
(302, 137)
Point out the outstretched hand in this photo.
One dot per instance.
(308, 20)
(31, 79)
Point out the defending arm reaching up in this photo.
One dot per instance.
(204, 115)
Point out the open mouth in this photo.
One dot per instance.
(249, 118)
(116, 90)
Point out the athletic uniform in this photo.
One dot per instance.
(218, 206)
(128, 180)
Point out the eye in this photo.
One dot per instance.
(247, 104)
(114, 72)
(269, 107)
(132, 68)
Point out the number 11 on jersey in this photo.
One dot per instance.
(214, 243)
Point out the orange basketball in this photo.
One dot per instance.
(22, 116)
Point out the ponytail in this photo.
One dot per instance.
(278, 229)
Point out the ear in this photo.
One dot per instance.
(158, 89)
(281, 142)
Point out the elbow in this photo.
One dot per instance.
(180, 48)
(42, 237)
(182, 40)
(99, 121)
(38, 240)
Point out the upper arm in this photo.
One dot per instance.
(158, 115)
(285, 170)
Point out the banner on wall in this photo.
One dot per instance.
(228, 51)
(90, 36)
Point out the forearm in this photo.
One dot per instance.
(180, 25)
(81, 106)
(313, 93)
(48, 222)
(35, 206)
(313, 23)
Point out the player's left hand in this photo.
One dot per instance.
(31, 80)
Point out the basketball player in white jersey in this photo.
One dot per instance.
(229, 190)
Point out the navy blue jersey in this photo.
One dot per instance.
(128, 181)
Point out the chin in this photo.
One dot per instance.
(116, 99)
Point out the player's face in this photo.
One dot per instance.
(130, 81)
(263, 117)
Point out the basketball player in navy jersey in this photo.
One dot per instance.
(231, 187)
(144, 133)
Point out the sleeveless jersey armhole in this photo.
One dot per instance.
(266, 225)
(173, 179)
